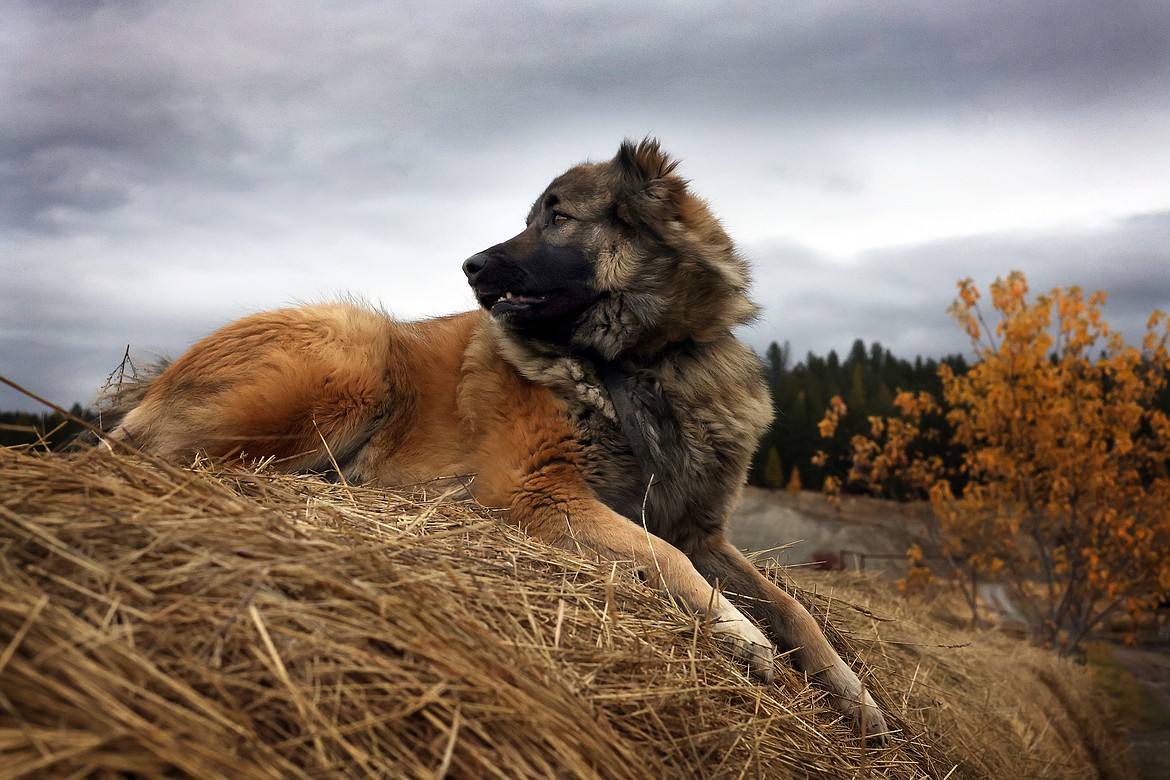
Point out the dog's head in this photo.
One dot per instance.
(615, 256)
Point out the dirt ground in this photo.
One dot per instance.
(802, 528)
(1150, 666)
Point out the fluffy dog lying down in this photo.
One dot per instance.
(599, 395)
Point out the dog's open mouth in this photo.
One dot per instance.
(510, 302)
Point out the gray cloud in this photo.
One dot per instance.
(168, 166)
(899, 295)
(112, 96)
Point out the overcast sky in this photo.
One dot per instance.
(168, 166)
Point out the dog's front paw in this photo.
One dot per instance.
(760, 658)
(745, 641)
(863, 713)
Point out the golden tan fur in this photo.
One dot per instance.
(297, 384)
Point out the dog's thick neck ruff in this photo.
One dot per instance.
(616, 379)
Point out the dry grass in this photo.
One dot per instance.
(165, 622)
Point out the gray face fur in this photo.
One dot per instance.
(617, 257)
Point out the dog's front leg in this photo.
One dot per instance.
(592, 527)
(529, 460)
(794, 629)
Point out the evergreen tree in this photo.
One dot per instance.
(778, 358)
(773, 471)
(857, 354)
(856, 398)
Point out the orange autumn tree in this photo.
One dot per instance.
(1065, 442)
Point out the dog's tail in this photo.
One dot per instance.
(124, 390)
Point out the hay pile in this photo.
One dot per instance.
(158, 621)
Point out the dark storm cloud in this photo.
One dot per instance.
(90, 118)
(884, 53)
(822, 63)
(876, 58)
(106, 97)
(899, 296)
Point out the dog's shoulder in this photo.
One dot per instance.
(499, 379)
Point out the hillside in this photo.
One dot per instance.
(795, 528)
(166, 622)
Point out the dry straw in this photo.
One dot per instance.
(227, 624)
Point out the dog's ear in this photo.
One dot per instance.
(649, 189)
(644, 162)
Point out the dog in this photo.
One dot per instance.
(598, 394)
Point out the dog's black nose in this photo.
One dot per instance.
(474, 264)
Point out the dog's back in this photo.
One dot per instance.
(308, 387)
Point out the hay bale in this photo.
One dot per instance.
(166, 622)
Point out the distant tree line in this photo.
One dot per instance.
(867, 379)
(52, 430)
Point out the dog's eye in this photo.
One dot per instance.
(557, 219)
